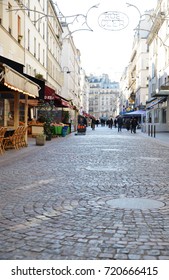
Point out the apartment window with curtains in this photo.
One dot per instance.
(34, 15)
(34, 47)
(19, 30)
(39, 23)
(28, 8)
(43, 57)
(28, 40)
(43, 30)
(10, 18)
(39, 51)
(0, 12)
(19, 25)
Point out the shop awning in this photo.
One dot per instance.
(87, 115)
(136, 113)
(65, 103)
(155, 102)
(17, 82)
(59, 101)
(49, 93)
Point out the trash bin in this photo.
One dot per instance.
(64, 131)
(59, 130)
(55, 130)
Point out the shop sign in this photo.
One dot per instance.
(113, 20)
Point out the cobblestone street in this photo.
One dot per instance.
(101, 196)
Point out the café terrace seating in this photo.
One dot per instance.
(17, 139)
(2, 134)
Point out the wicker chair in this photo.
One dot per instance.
(13, 141)
(22, 141)
(2, 134)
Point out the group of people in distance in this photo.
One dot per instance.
(131, 124)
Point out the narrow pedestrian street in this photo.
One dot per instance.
(103, 195)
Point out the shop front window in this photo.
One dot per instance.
(1, 112)
(156, 115)
(164, 115)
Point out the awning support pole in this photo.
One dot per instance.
(16, 109)
(26, 117)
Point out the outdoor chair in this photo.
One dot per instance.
(13, 141)
(2, 134)
(22, 141)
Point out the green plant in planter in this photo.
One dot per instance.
(46, 110)
(65, 116)
(39, 76)
(40, 139)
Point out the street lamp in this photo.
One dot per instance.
(66, 70)
(140, 15)
(131, 5)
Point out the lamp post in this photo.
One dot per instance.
(131, 5)
(140, 15)
(66, 70)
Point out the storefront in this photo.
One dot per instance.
(156, 113)
(13, 86)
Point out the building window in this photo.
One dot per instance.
(19, 25)
(164, 115)
(34, 15)
(28, 40)
(10, 18)
(43, 57)
(156, 115)
(39, 51)
(39, 23)
(1, 12)
(19, 30)
(34, 47)
(28, 8)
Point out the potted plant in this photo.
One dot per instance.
(40, 139)
(65, 116)
(46, 110)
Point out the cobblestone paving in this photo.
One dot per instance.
(56, 201)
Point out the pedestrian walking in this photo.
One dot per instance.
(93, 124)
(115, 123)
(134, 124)
(128, 124)
(97, 122)
(111, 123)
(120, 123)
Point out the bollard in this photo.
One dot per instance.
(148, 130)
(151, 130)
(154, 131)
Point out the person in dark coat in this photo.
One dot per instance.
(134, 124)
(115, 123)
(128, 124)
(120, 123)
(111, 123)
(93, 124)
(97, 122)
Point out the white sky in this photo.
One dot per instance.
(104, 51)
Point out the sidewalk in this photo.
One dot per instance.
(161, 137)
